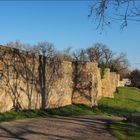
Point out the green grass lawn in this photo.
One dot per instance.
(125, 131)
(126, 101)
(70, 110)
(12, 115)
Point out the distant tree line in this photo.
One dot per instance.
(135, 78)
(98, 53)
(105, 58)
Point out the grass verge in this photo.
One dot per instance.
(126, 101)
(125, 131)
(70, 110)
(12, 115)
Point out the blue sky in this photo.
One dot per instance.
(65, 24)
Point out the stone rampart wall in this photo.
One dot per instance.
(87, 83)
(107, 88)
(66, 83)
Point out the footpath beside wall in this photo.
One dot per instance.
(65, 83)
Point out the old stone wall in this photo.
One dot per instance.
(107, 88)
(28, 95)
(65, 82)
(20, 81)
(87, 83)
(121, 84)
(114, 78)
(61, 91)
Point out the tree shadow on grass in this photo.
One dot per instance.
(125, 130)
(114, 111)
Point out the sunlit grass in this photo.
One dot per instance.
(125, 131)
(126, 100)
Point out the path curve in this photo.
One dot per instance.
(58, 128)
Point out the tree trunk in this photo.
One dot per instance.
(42, 80)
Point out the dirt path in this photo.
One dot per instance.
(59, 128)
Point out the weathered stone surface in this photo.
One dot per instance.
(98, 83)
(106, 84)
(118, 80)
(113, 81)
(121, 84)
(61, 91)
(6, 103)
(87, 88)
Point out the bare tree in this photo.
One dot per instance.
(27, 59)
(11, 76)
(80, 55)
(17, 45)
(135, 78)
(48, 69)
(65, 54)
(105, 12)
(23, 66)
(120, 64)
(95, 53)
(108, 56)
(29, 73)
